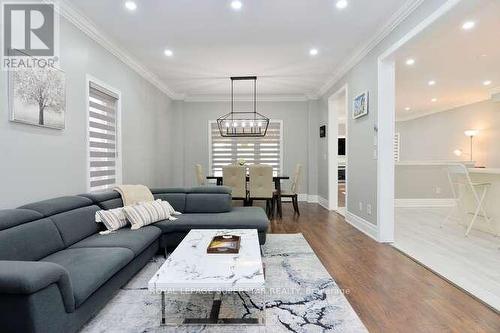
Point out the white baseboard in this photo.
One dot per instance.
(323, 202)
(362, 225)
(415, 203)
(312, 198)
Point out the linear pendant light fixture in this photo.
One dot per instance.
(240, 123)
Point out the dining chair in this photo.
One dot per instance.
(261, 186)
(234, 176)
(294, 189)
(461, 186)
(200, 178)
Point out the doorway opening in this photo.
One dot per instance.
(437, 191)
(337, 150)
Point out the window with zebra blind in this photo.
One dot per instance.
(257, 150)
(104, 165)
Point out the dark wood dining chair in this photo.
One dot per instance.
(293, 192)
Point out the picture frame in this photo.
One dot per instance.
(28, 106)
(322, 131)
(360, 105)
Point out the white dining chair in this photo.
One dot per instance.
(234, 176)
(261, 186)
(461, 186)
(200, 178)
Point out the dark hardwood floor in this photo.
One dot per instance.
(389, 291)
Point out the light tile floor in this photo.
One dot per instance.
(472, 263)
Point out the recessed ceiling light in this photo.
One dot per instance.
(431, 83)
(130, 5)
(434, 100)
(410, 61)
(486, 83)
(407, 108)
(468, 25)
(341, 4)
(168, 53)
(236, 5)
(313, 52)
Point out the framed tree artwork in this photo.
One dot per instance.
(38, 97)
(360, 105)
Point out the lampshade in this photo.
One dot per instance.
(471, 133)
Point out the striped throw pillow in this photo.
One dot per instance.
(113, 219)
(146, 213)
(169, 207)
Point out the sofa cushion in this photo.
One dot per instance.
(90, 268)
(30, 241)
(135, 240)
(105, 200)
(208, 203)
(210, 189)
(58, 205)
(77, 224)
(12, 217)
(237, 218)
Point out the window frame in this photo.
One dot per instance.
(119, 167)
(209, 130)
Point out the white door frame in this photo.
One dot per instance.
(386, 126)
(332, 135)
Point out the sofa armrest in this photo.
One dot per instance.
(28, 277)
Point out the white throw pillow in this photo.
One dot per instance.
(170, 209)
(113, 219)
(146, 213)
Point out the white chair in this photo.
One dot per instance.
(235, 177)
(200, 178)
(461, 185)
(261, 186)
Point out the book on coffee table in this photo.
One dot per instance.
(224, 244)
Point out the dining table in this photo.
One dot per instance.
(277, 186)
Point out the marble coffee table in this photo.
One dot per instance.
(189, 270)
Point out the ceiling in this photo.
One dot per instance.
(458, 60)
(268, 38)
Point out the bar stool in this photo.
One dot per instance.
(461, 183)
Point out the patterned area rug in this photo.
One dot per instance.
(301, 297)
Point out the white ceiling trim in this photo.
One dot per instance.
(413, 116)
(363, 51)
(247, 98)
(83, 23)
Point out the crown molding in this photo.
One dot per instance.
(366, 48)
(417, 115)
(82, 22)
(247, 98)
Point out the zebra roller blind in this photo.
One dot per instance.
(103, 134)
(257, 150)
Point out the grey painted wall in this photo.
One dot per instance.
(38, 163)
(190, 136)
(362, 168)
(436, 136)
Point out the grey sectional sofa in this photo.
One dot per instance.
(56, 270)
